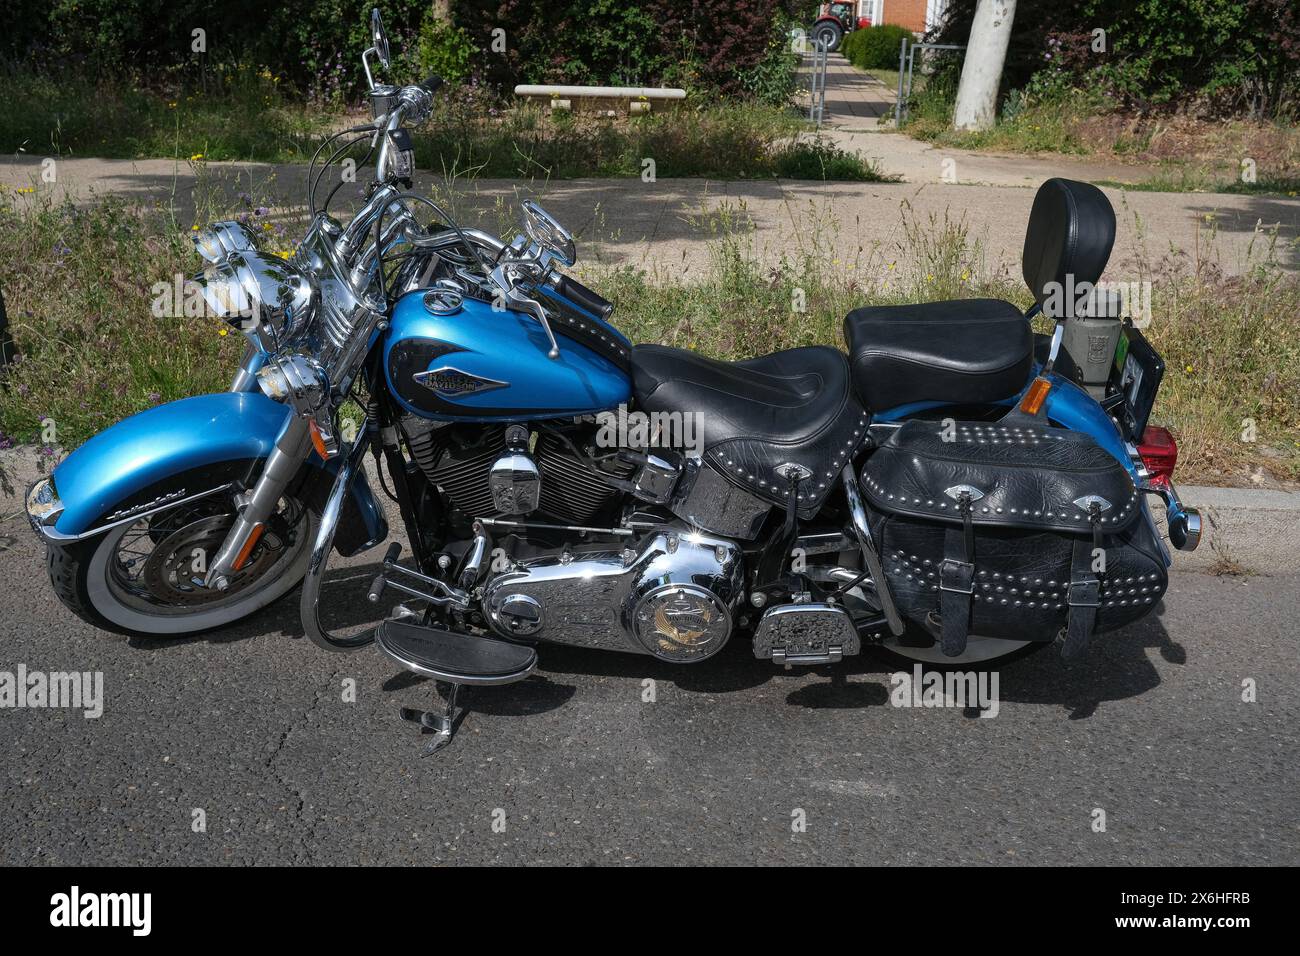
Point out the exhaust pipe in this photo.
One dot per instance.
(1184, 522)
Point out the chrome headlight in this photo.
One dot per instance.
(262, 294)
(221, 239)
(295, 379)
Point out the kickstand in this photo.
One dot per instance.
(443, 725)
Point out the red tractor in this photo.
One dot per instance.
(834, 20)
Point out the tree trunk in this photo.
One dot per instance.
(981, 73)
(442, 11)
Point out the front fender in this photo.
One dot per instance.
(210, 440)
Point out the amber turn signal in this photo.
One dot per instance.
(317, 441)
(1035, 396)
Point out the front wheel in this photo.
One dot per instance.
(145, 577)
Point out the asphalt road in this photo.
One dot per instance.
(572, 766)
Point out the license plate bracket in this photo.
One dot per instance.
(1136, 375)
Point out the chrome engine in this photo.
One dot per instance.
(673, 596)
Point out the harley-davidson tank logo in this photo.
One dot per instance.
(451, 382)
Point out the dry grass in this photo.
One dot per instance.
(78, 284)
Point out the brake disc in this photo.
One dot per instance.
(174, 572)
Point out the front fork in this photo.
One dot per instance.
(245, 379)
(260, 502)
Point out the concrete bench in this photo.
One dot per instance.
(637, 99)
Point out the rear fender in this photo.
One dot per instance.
(206, 443)
(1067, 405)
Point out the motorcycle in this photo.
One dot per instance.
(956, 491)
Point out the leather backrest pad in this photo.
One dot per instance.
(1071, 232)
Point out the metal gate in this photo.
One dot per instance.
(906, 65)
(817, 83)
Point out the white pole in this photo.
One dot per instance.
(986, 52)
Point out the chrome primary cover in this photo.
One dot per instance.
(672, 598)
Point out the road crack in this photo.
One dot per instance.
(299, 723)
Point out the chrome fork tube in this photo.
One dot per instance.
(245, 379)
(282, 464)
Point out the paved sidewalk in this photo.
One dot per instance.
(666, 227)
(853, 98)
(855, 102)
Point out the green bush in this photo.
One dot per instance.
(444, 50)
(875, 48)
(314, 46)
(772, 80)
(818, 159)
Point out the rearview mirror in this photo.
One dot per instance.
(545, 230)
(378, 38)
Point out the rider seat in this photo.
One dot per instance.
(761, 415)
(969, 351)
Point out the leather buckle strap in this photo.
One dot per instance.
(1084, 599)
(956, 586)
(1085, 592)
(957, 576)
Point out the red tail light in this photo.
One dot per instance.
(1159, 453)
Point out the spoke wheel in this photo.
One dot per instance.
(159, 564)
(146, 577)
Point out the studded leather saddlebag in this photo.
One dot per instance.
(1012, 531)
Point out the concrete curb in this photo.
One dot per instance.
(1259, 530)
(1253, 529)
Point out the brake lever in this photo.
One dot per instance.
(520, 302)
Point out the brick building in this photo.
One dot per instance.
(918, 16)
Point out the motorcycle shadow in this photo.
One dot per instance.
(1117, 666)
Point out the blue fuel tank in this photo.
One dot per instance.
(478, 364)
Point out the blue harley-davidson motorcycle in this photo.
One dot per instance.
(955, 490)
